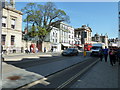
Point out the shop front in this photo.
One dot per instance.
(56, 47)
(65, 46)
(78, 46)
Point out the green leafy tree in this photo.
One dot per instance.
(44, 17)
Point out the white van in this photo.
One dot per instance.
(96, 48)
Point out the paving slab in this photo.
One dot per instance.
(25, 76)
(102, 75)
(19, 57)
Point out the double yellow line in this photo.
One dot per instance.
(75, 76)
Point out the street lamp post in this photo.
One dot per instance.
(27, 31)
(1, 7)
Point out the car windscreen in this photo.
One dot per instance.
(96, 47)
(70, 49)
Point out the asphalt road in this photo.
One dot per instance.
(31, 62)
(65, 77)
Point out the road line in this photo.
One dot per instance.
(45, 82)
(75, 76)
(41, 81)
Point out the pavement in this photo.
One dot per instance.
(102, 75)
(20, 56)
(14, 77)
(28, 75)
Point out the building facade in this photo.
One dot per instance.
(82, 35)
(60, 37)
(100, 38)
(66, 35)
(53, 39)
(77, 38)
(113, 42)
(71, 36)
(11, 28)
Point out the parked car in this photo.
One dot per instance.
(70, 52)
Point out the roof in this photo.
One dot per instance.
(84, 27)
(14, 10)
(97, 34)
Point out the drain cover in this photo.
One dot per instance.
(14, 77)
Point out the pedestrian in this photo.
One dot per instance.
(27, 51)
(52, 49)
(30, 48)
(118, 55)
(44, 49)
(115, 50)
(101, 54)
(112, 56)
(36, 50)
(2, 53)
(105, 53)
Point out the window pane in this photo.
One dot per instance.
(3, 24)
(13, 21)
(12, 40)
(3, 19)
(13, 26)
(3, 39)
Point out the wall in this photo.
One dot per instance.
(47, 45)
(26, 45)
(8, 31)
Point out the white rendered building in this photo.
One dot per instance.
(71, 36)
(60, 37)
(54, 39)
(66, 36)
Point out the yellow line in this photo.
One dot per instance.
(75, 76)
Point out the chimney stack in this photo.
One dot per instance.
(12, 2)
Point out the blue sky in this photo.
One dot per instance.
(102, 17)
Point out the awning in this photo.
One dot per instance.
(78, 45)
(66, 44)
(73, 46)
(54, 45)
